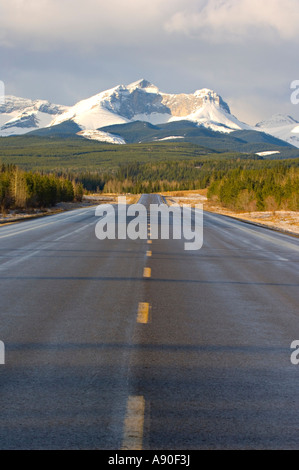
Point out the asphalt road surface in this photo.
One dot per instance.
(191, 353)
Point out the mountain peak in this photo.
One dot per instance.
(143, 84)
(199, 106)
(282, 126)
(277, 120)
(16, 104)
(205, 92)
(210, 96)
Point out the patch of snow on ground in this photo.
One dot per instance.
(101, 136)
(265, 154)
(217, 128)
(171, 137)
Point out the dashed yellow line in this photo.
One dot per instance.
(147, 272)
(134, 423)
(143, 312)
(149, 242)
(148, 253)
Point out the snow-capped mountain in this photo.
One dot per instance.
(205, 107)
(122, 104)
(20, 115)
(138, 101)
(282, 126)
(142, 101)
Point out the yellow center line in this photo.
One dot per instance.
(149, 242)
(147, 272)
(134, 423)
(143, 312)
(148, 253)
(8, 223)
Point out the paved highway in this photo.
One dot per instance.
(192, 352)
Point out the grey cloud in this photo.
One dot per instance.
(67, 50)
(44, 23)
(237, 20)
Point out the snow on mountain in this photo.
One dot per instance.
(213, 116)
(142, 101)
(101, 136)
(277, 120)
(138, 101)
(206, 108)
(20, 115)
(282, 126)
(143, 85)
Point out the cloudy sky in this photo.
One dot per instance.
(67, 50)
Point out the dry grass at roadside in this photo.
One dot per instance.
(111, 198)
(283, 220)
